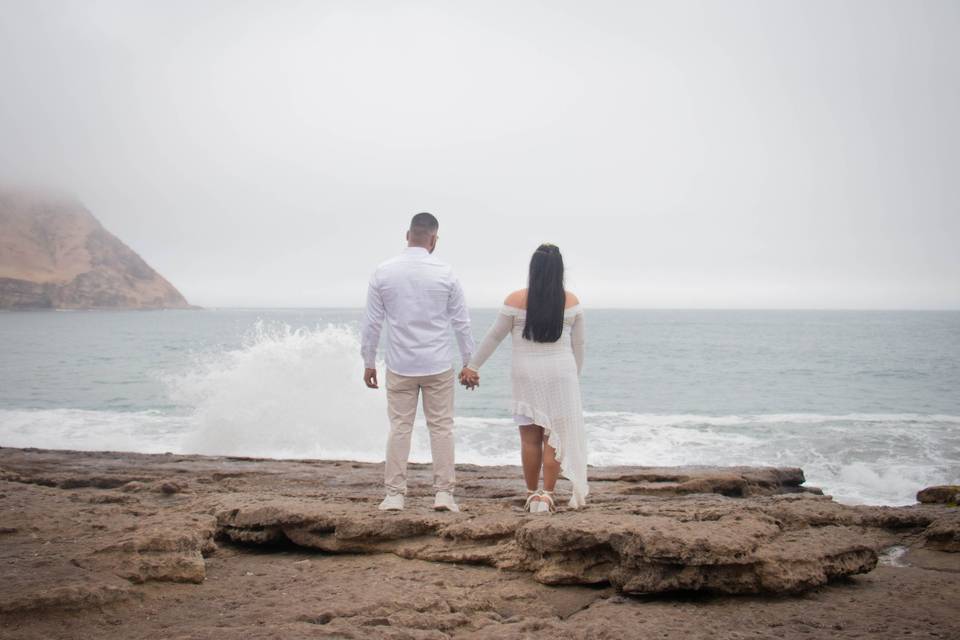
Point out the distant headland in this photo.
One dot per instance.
(54, 254)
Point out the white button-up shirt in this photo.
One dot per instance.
(420, 298)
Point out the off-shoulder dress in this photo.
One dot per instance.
(546, 387)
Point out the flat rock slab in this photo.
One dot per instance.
(709, 543)
(85, 530)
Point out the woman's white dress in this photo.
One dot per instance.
(546, 387)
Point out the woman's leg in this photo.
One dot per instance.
(531, 454)
(551, 468)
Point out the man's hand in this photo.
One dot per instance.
(469, 378)
(370, 378)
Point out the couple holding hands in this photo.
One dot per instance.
(419, 299)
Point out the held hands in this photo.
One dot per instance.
(469, 378)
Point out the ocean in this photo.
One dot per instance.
(866, 402)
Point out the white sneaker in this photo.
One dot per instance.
(392, 503)
(444, 502)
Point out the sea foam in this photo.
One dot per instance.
(298, 394)
(284, 393)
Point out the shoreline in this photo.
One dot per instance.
(822, 485)
(216, 546)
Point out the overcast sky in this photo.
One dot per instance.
(681, 154)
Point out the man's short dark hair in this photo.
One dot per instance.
(424, 224)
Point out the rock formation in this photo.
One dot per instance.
(940, 494)
(55, 255)
(210, 547)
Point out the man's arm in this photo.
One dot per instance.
(460, 319)
(370, 332)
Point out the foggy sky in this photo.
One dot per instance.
(681, 154)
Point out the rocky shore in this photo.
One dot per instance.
(121, 545)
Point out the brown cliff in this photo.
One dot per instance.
(54, 254)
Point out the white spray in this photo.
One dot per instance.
(286, 393)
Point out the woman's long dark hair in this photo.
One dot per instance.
(546, 297)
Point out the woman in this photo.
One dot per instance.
(547, 328)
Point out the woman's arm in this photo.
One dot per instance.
(578, 340)
(501, 327)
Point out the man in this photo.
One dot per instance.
(420, 299)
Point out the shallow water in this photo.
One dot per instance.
(868, 403)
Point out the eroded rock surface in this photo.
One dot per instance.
(698, 543)
(105, 533)
(940, 494)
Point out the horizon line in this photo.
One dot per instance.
(194, 307)
(603, 308)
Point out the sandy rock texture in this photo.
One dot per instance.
(940, 494)
(132, 545)
(55, 254)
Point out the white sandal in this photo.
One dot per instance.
(531, 505)
(546, 499)
(542, 504)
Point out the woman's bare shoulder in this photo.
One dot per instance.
(517, 299)
(572, 299)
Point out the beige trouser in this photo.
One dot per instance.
(402, 393)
